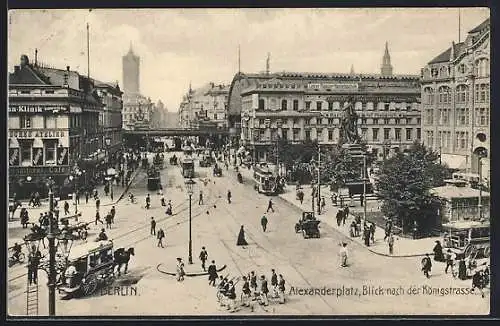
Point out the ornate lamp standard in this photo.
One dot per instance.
(189, 186)
(56, 239)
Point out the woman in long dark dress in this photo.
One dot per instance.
(241, 238)
(438, 252)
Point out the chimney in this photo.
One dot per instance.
(66, 76)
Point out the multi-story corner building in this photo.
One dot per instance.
(137, 111)
(301, 106)
(205, 105)
(456, 101)
(111, 117)
(54, 128)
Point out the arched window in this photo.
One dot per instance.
(462, 94)
(428, 95)
(444, 94)
(443, 72)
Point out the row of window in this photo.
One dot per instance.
(481, 69)
(28, 121)
(295, 133)
(28, 155)
(332, 106)
(336, 121)
(444, 139)
(482, 94)
(461, 117)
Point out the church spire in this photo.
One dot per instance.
(130, 50)
(352, 70)
(386, 68)
(268, 63)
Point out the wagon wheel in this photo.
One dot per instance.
(90, 285)
(486, 251)
(469, 250)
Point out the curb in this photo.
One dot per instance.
(360, 242)
(189, 275)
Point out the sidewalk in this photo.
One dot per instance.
(16, 232)
(403, 247)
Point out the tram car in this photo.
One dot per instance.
(187, 167)
(265, 180)
(154, 180)
(158, 161)
(468, 239)
(94, 265)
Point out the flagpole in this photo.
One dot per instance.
(88, 52)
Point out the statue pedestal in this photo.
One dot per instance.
(355, 185)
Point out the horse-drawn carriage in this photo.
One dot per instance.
(468, 239)
(79, 229)
(90, 266)
(308, 225)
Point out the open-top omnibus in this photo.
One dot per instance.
(266, 181)
(187, 167)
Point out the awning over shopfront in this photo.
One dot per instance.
(454, 161)
(13, 143)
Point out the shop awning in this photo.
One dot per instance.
(13, 143)
(37, 143)
(454, 161)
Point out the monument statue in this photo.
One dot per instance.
(349, 124)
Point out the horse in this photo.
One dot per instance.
(122, 257)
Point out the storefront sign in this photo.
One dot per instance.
(45, 133)
(13, 156)
(36, 108)
(334, 86)
(38, 170)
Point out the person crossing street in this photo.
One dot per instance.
(203, 257)
(270, 206)
(160, 235)
(98, 218)
(148, 201)
(263, 222)
(200, 201)
(212, 273)
(229, 196)
(153, 226)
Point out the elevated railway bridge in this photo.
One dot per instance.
(146, 137)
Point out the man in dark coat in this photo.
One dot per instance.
(263, 222)
(241, 238)
(66, 208)
(212, 273)
(449, 261)
(153, 226)
(339, 216)
(270, 206)
(160, 235)
(34, 258)
(113, 213)
(274, 282)
(346, 214)
(203, 257)
(229, 196)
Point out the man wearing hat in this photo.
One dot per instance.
(203, 257)
(343, 254)
(212, 273)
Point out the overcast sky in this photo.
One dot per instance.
(177, 46)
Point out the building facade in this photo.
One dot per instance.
(308, 106)
(137, 111)
(111, 117)
(456, 102)
(205, 105)
(54, 128)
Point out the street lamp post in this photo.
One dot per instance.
(52, 253)
(319, 180)
(480, 187)
(189, 186)
(75, 177)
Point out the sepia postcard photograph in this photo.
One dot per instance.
(248, 162)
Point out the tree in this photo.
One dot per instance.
(338, 167)
(404, 181)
